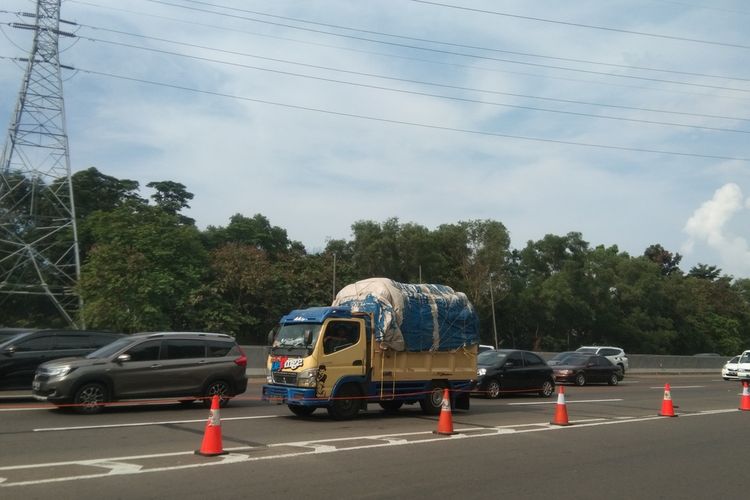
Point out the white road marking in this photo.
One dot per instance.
(139, 424)
(566, 402)
(124, 465)
(28, 409)
(681, 387)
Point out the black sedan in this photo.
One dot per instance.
(510, 371)
(580, 369)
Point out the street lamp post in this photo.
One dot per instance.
(492, 299)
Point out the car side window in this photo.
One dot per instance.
(185, 349)
(41, 343)
(218, 349)
(516, 359)
(101, 340)
(71, 341)
(146, 351)
(532, 359)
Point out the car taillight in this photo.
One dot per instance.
(242, 360)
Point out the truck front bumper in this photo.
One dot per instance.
(280, 394)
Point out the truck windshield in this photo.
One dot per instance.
(294, 335)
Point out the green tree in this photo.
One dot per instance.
(256, 231)
(142, 270)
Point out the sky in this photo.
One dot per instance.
(627, 120)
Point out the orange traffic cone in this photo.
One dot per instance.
(561, 411)
(667, 410)
(445, 422)
(745, 399)
(211, 445)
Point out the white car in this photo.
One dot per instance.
(743, 366)
(616, 355)
(729, 371)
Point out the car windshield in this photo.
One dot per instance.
(109, 349)
(745, 358)
(294, 335)
(490, 357)
(591, 350)
(559, 358)
(576, 359)
(6, 341)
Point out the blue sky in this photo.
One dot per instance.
(628, 121)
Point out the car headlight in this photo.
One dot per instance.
(307, 378)
(58, 372)
(481, 372)
(564, 372)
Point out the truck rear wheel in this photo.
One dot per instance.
(432, 403)
(346, 403)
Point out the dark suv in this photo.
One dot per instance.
(21, 353)
(186, 366)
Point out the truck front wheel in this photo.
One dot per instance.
(301, 411)
(432, 403)
(346, 403)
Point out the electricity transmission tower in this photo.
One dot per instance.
(38, 235)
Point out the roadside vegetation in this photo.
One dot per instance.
(146, 267)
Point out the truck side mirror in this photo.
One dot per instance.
(271, 335)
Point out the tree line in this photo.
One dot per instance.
(147, 267)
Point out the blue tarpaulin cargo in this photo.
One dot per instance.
(411, 317)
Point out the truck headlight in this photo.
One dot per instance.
(307, 378)
(481, 372)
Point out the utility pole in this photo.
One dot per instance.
(38, 234)
(492, 299)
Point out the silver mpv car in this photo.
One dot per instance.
(186, 366)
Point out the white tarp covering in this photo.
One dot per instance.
(412, 317)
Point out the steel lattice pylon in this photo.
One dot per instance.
(38, 235)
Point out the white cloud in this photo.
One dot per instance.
(710, 223)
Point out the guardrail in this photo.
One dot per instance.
(639, 363)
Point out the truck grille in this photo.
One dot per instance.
(285, 378)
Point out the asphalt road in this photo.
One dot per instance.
(617, 447)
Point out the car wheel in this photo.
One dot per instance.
(90, 398)
(432, 403)
(346, 403)
(613, 379)
(391, 405)
(219, 388)
(548, 388)
(580, 379)
(493, 389)
(301, 411)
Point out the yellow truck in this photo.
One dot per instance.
(380, 342)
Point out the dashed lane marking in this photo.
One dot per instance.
(140, 424)
(146, 463)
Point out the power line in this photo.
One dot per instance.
(403, 91)
(406, 80)
(402, 57)
(416, 124)
(462, 54)
(581, 25)
(460, 45)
